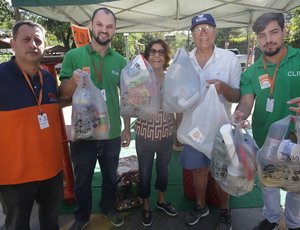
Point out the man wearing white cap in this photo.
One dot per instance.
(221, 68)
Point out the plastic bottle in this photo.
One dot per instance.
(275, 135)
(234, 167)
(288, 152)
(235, 182)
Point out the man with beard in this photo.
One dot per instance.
(105, 66)
(272, 82)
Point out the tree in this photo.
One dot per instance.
(293, 35)
(6, 12)
(6, 17)
(61, 30)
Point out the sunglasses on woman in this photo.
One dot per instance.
(153, 52)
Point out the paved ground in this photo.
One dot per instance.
(243, 219)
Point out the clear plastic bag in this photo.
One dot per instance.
(233, 163)
(89, 112)
(199, 127)
(279, 158)
(181, 90)
(140, 94)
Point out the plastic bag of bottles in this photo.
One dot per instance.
(199, 127)
(279, 158)
(233, 163)
(140, 94)
(89, 112)
(181, 90)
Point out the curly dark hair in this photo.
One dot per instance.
(165, 47)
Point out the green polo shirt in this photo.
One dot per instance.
(112, 65)
(287, 86)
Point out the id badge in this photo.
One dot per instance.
(103, 94)
(43, 121)
(270, 105)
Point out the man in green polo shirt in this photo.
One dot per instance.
(105, 66)
(271, 82)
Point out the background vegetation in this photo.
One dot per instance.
(59, 33)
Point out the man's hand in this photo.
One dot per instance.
(68, 86)
(76, 76)
(231, 94)
(237, 119)
(218, 85)
(295, 101)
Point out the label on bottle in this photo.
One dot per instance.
(103, 122)
(271, 147)
(289, 151)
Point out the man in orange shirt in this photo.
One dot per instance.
(31, 147)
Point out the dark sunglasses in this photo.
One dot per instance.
(153, 52)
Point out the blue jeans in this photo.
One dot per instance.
(17, 202)
(145, 153)
(272, 211)
(84, 155)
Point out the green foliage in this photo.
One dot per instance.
(58, 33)
(5, 55)
(136, 42)
(118, 43)
(6, 18)
(148, 37)
(6, 12)
(293, 33)
(4, 58)
(237, 38)
(181, 40)
(60, 30)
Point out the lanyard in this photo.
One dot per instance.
(38, 100)
(272, 80)
(98, 73)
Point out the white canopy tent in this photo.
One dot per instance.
(158, 15)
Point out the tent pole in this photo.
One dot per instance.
(126, 46)
(249, 31)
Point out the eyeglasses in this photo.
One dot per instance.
(199, 30)
(152, 52)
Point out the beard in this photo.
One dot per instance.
(272, 53)
(99, 41)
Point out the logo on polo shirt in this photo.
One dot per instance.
(115, 72)
(294, 73)
(52, 97)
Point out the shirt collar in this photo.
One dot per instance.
(290, 53)
(109, 51)
(16, 70)
(216, 52)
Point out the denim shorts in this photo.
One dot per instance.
(191, 158)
